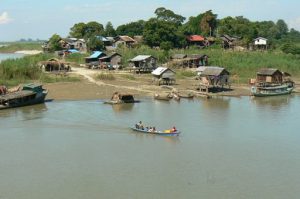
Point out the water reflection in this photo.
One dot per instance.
(122, 107)
(220, 103)
(26, 112)
(168, 139)
(274, 102)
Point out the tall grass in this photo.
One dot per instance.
(76, 57)
(26, 69)
(105, 76)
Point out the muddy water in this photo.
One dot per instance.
(229, 148)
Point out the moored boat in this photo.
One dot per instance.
(167, 132)
(30, 94)
(118, 98)
(263, 91)
(165, 97)
(272, 82)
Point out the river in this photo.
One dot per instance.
(4, 56)
(229, 148)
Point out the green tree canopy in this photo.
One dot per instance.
(168, 15)
(82, 30)
(157, 32)
(94, 43)
(109, 30)
(131, 29)
(54, 43)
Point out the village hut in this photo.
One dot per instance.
(269, 75)
(124, 40)
(164, 75)
(212, 77)
(260, 43)
(105, 40)
(113, 59)
(229, 41)
(196, 40)
(95, 57)
(55, 65)
(144, 63)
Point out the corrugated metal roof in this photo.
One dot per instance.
(213, 71)
(267, 71)
(195, 38)
(140, 58)
(159, 71)
(95, 54)
(73, 51)
(104, 39)
(126, 38)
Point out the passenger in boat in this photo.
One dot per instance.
(3, 90)
(150, 129)
(173, 129)
(154, 129)
(139, 125)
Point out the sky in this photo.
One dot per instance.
(38, 19)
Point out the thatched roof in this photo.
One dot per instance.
(268, 71)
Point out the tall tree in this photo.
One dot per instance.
(168, 15)
(82, 30)
(109, 30)
(165, 33)
(94, 43)
(208, 23)
(131, 29)
(78, 30)
(54, 43)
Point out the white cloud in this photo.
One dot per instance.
(295, 23)
(4, 18)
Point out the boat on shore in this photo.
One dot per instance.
(30, 94)
(273, 90)
(271, 82)
(167, 132)
(164, 97)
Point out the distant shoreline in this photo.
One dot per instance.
(28, 52)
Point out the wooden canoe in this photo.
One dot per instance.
(165, 132)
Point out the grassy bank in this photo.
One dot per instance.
(17, 46)
(26, 69)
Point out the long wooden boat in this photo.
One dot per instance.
(165, 132)
(163, 97)
(188, 96)
(264, 91)
(29, 95)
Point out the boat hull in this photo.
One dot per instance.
(271, 91)
(39, 98)
(176, 133)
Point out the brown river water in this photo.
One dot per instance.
(229, 148)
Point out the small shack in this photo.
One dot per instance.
(260, 43)
(113, 59)
(213, 77)
(196, 40)
(190, 61)
(55, 65)
(124, 40)
(269, 75)
(164, 75)
(144, 63)
(95, 57)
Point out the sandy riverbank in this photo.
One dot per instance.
(138, 85)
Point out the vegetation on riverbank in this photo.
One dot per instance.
(26, 69)
(18, 46)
